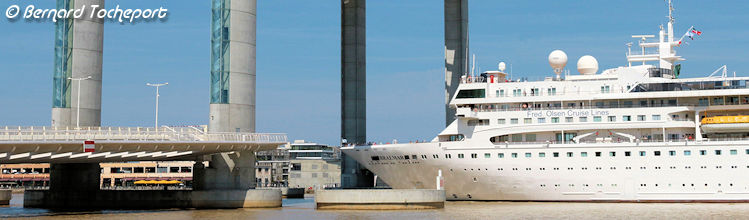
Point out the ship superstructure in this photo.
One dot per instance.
(632, 133)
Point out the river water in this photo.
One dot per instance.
(305, 209)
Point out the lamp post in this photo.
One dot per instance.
(78, 99)
(156, 124)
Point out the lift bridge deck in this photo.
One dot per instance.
(66, 145)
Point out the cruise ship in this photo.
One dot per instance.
(635, 133)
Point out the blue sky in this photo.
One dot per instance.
(298, 63)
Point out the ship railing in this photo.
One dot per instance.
(500, 109)
(619, 141)
(148, 134)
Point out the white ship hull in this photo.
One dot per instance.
(634, 178)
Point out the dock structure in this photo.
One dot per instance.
(380, 199)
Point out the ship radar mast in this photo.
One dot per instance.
(666, 55)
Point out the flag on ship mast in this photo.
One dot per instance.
(690, 34)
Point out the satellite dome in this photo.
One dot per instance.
(587, 65)
(557, 60)
(502, 66)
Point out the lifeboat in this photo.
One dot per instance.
(725, 124)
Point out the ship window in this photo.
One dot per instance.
(502, 92)
(642, 153)
(541, 120)
(672, 153)
(599, 104)
(656, 153)
(641, 118)
(747, 151)
(703, 152)
(555, 120)
(656, 117)
(514, 155)
(527, 120)
(598, 154)
(702, 102)
(643, 103)
(583, 119)
(596, 118)
(717, 152)
(627, 153)
(687, 152)
(568, 119)
(530, 137)
(375, 158)
(583, 154)
(514, 121)
(613, 104)
(474, 156)
(734, 152)
(407, 157)
(551, 91)
(460, 156)
(612, 118)
(627, 104)
(497, 95)
(501, 155)
(501, 121)
(718, 101)
(527, 154)
(556, 154)
(487, 155)
(612, 154)
(541, 154)
(471, 93)
(517, 137)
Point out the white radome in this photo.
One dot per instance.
(557, 60)
(502, 66)
(587, 65)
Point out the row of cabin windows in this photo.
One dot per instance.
(585, 154)
(520, 92)
(572, 154)
(599, 104)
(641, 184)
(568, 119)
(598, 168)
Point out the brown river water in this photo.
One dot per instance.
(305, 209)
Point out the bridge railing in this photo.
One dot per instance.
(166, 134)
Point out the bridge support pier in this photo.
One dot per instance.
(229, 182)
(226, 183)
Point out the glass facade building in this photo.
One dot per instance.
(220, 52)
(63, 58)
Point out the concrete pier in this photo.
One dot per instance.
(380, 199)
(232, 86)
(354, 89)
(152, 199)
(76, 186)
(79, 45)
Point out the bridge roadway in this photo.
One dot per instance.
(65, 145)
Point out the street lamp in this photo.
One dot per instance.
(156, 124)
(78, 106)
